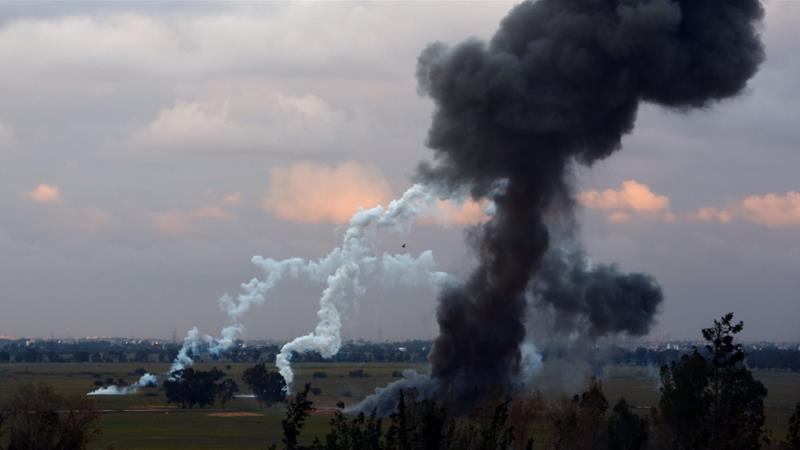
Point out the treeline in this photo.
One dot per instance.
(44, 351)
(768, 357)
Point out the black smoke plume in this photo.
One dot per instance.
(558, 84)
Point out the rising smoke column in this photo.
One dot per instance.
(345, 270)
(356, 264)
(559, 83)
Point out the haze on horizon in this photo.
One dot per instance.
(148, 151)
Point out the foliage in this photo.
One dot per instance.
(36, 418)
(226, 391)
(714, 402)
(190, 387)
(296, 412)
(626, 430)
(792, 441)
(268, 386)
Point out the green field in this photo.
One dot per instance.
(146, 421)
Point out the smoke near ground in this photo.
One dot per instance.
(146, 380)
(558, 84)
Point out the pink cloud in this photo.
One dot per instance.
(631, 196)
(44, 193)
(772, 210)
(176, 222)
(313, 193)
(632, 199)
(458, 213)
(712, 214)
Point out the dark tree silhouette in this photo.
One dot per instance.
(712, 401)
(684, 403)
(226, 391)
(296, 412)
(792, 441)
(626, 430)
(267, 386)
(190, 388)
(737, 399)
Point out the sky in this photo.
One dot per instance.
(149, 150)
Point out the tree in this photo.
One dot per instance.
(713, 402)
(267, 386)
(226, 391)
(626, 430)
(737, 398)
(792, 441)
(296, 412)
(683, 405)
(189, 387)
(592, 406)
(36, 418)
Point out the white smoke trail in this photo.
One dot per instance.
(344, 270)
(354, 262)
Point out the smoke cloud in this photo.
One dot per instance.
(558, 84)
(147, 380)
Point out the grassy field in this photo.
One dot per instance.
(146, 421)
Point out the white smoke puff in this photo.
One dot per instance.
(147, 380)
(531, 361)
(190, 343)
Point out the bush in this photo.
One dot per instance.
(358, 373)
(319, 374)
(38, 418)
(316, 391)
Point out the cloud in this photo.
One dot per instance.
(313, 193)
(711, 214)
(234, 199)
(44, 193)
(632, 199)
(177, 222)
(226, 118)
(770, 210)
(88, 218)
(458, 213)
(632, 195)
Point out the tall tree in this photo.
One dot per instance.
(737, 398)
(268, 386)
(296, 413)
(712, 401)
